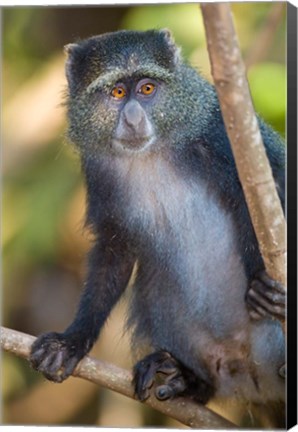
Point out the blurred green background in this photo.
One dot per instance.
(44, 244)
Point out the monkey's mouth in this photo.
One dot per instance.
(132, 144)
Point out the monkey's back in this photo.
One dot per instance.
(189, 294)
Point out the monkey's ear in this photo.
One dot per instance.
(71, 51)
(69, 48)
(169, 38)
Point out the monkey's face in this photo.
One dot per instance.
(118, 117)
(117, 91)
(134, 130)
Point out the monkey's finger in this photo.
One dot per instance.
(255, 311)
(256, 299)
(142, 383)
(272, 283)
(143, 395)
(146, 374)
(253, 315)
(46, 362)
(56, 363)
(169, 367)
(55, 377)
(173, 387)
(141, 390)
(69, 367)
(164, 392)
(36, 357)
(268, 293)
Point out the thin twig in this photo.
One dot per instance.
(241, 124)
(265, 36)
(119, 380)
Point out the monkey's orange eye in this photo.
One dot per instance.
(147, 89)
(118, 92)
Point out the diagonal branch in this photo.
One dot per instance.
(241, 124)
(119, 380)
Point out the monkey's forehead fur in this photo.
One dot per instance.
(124, 49)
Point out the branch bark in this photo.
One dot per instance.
(119, 380)
(241, 124)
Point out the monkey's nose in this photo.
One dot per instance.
(133, 114)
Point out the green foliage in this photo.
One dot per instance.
(268, 88)
(35, 199)
(13, 381)
(22, 45)
(184, 20)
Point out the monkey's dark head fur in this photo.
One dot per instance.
(96, 65)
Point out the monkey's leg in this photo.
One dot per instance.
(179, 379)
(57, 354)
(266, 297)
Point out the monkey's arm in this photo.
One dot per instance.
(265, 297)
(110, 266)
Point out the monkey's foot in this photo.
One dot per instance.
(179, 380)
(56, 355)
(266, 297)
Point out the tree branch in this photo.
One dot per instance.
(119, 380)
(241, 124)
(265, 36)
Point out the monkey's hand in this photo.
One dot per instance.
(266, 298)
(179, 379)
(56, 355)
